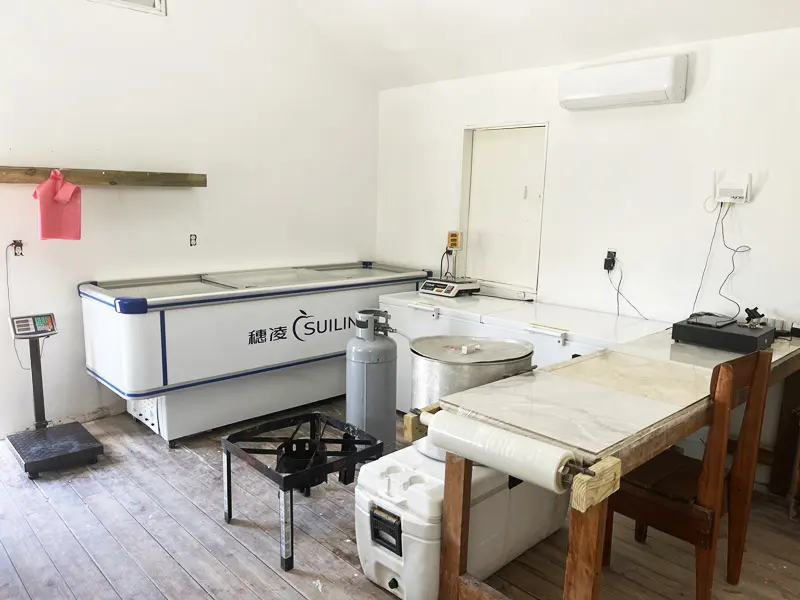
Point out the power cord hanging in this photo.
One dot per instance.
(741, 249)
(720, 224)
(708, 256)
(442, 272)
(8, 297)
(618, 289)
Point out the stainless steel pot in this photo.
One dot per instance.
(445, 364)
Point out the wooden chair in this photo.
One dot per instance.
(685, 497)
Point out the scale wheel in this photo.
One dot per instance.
(33, 476)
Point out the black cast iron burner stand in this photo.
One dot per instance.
(301, 463)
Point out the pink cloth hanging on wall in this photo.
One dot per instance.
(59, 208)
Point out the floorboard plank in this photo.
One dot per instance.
(145, 494)
(11, 587)
(163, 570)
(80, 573)
(509, 589)
(32, 564)
(318, 573)
(200, 564)
(118, 566)
(661, 551)
(532, 579)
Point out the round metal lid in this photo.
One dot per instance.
(462, 349)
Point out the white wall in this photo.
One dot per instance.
(631, 178)
(243, 91)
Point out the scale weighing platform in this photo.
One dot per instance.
(47, 448)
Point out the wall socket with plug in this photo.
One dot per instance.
(610, 261)
(17, 246)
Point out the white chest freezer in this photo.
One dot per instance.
(557, 333)
(399, 521)
(195, 352)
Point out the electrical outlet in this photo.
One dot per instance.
(610, 260)
(192, 239)
(17, 246)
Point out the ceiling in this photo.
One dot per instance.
(406, 42)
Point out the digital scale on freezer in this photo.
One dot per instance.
(47, 448)
(450, 288)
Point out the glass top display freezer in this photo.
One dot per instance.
(274, 337)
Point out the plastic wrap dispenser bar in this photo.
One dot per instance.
(567, 472)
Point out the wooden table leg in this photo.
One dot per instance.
(784, 456)
(585, 554)
(455, 524)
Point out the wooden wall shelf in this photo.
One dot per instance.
(87, 177)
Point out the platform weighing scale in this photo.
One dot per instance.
(47, 448)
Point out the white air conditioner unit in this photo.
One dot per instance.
(657, 80)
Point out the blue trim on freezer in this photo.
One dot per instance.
(136, 306)
(131, 306)
(163, 319)
(176, 388)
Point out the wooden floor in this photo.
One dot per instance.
(146, 522)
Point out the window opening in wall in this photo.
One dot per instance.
(156, 7)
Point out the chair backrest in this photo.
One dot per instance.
(729, 380)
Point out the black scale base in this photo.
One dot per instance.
(53, 448)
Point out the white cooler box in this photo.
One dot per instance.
(399, 521)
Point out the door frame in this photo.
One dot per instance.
(520, 292)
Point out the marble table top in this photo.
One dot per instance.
(600, 400)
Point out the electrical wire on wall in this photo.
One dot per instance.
(618, 289)
(442, 272)
(722, 213)
(8, 297)
(734, 251)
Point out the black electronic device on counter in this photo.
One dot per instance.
(716, 331)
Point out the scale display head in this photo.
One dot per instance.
(33, 326)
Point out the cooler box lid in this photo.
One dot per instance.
(414, 482)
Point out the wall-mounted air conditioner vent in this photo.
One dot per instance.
(156, 7)
(657, 80)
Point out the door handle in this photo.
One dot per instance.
(434, 310)
(561, 334)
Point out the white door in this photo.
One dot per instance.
(505, 205)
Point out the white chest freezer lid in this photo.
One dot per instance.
(468, 350)
(582, 326)
(467, 308)
(413, 482)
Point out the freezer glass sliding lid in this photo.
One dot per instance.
(160, 289)
(300, 275)
(179, 288)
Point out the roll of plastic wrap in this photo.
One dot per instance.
(517, 455)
